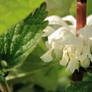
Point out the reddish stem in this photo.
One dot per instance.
(81, 14)
(81, 22)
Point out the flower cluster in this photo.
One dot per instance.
(62, 40)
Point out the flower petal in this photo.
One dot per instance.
(65, 58)
(85, 63)
(47, 31)
(89, 20)
(90, 56)
(58, 51)
(55, 20)
(68, 39)
(73, 65)
(56, 35)
(71, 19)
(86, 32)
(47, 57)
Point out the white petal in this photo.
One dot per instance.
(90, 56)
(47, 57)
(72, 29)
(68, 39)
(47, 45)
(63, 36)
(47, 31)
(62, 32)
(82, 57)
(58, 51)
(65, 58)
(55, 20)
(86, 32)
(85, 63)
(57, 34)
(89, 20)
(71, 19)
(73, 65)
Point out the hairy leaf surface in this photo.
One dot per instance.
(19, 41)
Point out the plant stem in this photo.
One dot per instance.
(78, 75)
(81, 22)
(81, 14)
(7, 86)
(3, 87)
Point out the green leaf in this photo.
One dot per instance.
(80, 87)
(19, 41)
(12, 11)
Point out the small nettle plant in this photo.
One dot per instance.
(19, 41)
(74, 47)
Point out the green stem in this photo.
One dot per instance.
(3, 87)
(7, 86)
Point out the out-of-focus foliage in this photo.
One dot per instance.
(66, 7)
(12, 11)
(59, 7)
(89, 7)
(17, 43)
(81, 87)
(73, 8)
(46, 75)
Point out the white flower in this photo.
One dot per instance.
(74, 51)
